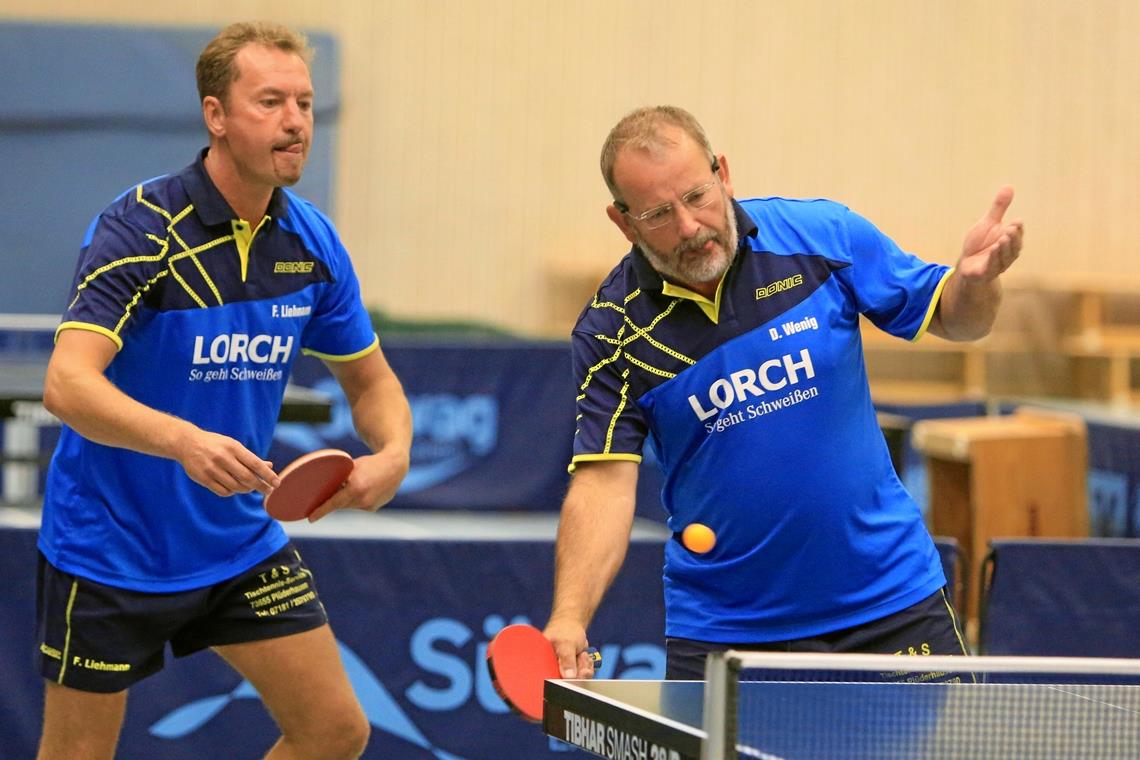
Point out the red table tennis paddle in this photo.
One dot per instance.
(520, 660)
(307, 482)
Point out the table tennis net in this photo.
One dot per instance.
(780, 705)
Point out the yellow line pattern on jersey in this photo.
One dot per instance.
(617, 412)
(138, 296)
(590, 372)
(144, 202)
(628, 333)
(185, 286)
(596, 304)
(107, 267)
(643, 332)
(654, 370)
(610, 359)
(164, 245)
(187, 251)
(637, 332)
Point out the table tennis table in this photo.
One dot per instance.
(664, 720)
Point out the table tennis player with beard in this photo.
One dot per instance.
(728, 336)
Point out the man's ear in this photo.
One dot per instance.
(722, 172)
(622, 222)
(214, 114)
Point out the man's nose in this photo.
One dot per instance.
(687, 224)
(293, 119)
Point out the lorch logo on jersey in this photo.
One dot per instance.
(227, 357)
(239, 347)
(772, 375)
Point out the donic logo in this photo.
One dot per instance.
(382, 711)
(779, 286)
(450, 433)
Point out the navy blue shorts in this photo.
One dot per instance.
(929, 627)
(102, 638)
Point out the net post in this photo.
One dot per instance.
(722, 687)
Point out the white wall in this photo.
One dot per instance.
(468, 163)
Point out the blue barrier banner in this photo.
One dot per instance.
(413, 618)
(1114, 480)
(1076, 598)
(493, 425)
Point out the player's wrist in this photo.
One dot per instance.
(175, 438)
(399, 455)
(569, 617)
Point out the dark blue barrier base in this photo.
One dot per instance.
(413, 618)
(1072, 598)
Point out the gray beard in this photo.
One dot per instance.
(701, 270)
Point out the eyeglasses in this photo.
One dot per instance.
(665, 214)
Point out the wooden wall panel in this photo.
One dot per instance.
(468, 156)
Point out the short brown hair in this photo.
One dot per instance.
(216, 70)
(641, 129)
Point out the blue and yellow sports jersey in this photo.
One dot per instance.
(758, 409)
(209, 315)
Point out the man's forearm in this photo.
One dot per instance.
(382, 417)
(593, 537)
(967, 309)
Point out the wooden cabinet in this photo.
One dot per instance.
(1021, 475)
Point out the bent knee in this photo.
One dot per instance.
(354, 735)
(343, 735)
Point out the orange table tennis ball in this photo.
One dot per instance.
(698, 538)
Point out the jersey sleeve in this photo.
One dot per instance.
(118, 263)
(896, 290)
(341, 328)
(610, 425)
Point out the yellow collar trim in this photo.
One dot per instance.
(244, 234)
(710, 308)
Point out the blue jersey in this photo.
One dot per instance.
(758, 408)
(209, 313)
